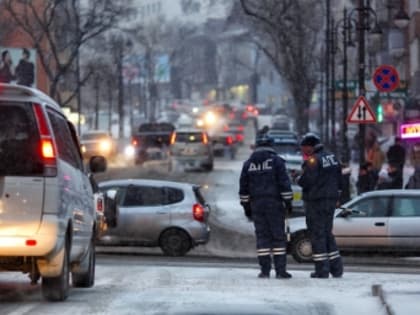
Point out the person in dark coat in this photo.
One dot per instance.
(265, 193)
(321, 183)
(396, 153)
(392, 179)
(6, 72)
(25, 69)
(367, 178)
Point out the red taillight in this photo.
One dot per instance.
(249, 108)
(198, 212)
(42, 122)
(30, 242)
(134, 142)
(229, 140)
(47, 148)
(100, 205)
(256, 112)
(239, 137)
(205, 139)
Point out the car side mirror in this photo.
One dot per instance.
(345, 212)
(97, 164)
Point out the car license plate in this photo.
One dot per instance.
(297, 196)
(189, 152)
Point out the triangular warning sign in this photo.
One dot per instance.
(361, 113)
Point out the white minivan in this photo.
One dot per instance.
(47, 214)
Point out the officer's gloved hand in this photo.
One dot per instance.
(247, 210)
(288, 207)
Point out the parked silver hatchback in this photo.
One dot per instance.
(386, 221)
(171, 215)
(47, 214)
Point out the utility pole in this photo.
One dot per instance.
(345, 97)
(362, 90)
(120, 88)
(327, 74)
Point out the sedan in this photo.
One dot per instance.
(97, 142)
(170, 215)
(377, 221)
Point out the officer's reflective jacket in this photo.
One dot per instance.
(264, 175)
(321, 177)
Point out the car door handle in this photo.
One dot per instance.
(379, 223)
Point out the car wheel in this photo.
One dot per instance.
(57, 288)
(175, 242)
(302, 248)
(85, 276)
(209, 167)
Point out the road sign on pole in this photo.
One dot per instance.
(386, 78)
(361, 113)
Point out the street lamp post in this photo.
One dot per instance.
(363, 24)
(362, 90)
(345, 156)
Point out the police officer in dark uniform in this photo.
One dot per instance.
(321, 182)
(266, 195)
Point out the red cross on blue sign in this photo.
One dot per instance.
(386, 78)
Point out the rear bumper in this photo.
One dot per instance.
(47, 241)
(194, 161)
(202, 236)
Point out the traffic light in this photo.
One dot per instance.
(379, 113)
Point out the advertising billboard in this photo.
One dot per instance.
(410, 131)
(21, 72)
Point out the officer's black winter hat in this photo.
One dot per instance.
(310, 139)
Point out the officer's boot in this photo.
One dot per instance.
(336, 266)
(280, 266)
(265, 265)
(321, 269)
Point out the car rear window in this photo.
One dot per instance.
(19, 140)
(189, 137)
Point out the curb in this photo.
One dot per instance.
(379, 292)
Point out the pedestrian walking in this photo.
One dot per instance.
(414, 180)
(266, 195)
(376, 157)
(6, 70)
(415, 156)
(25, 69)
(392, 178)
(321, 183)
(367, 179)
(396, 153)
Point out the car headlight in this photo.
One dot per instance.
(105, 145)
(83, 149)
(200, 123)
(129, 151)
(210, 118)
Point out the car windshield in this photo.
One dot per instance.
(287, 148)
(95, 136)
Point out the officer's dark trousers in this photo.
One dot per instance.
(268, 216)
(319, 220)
